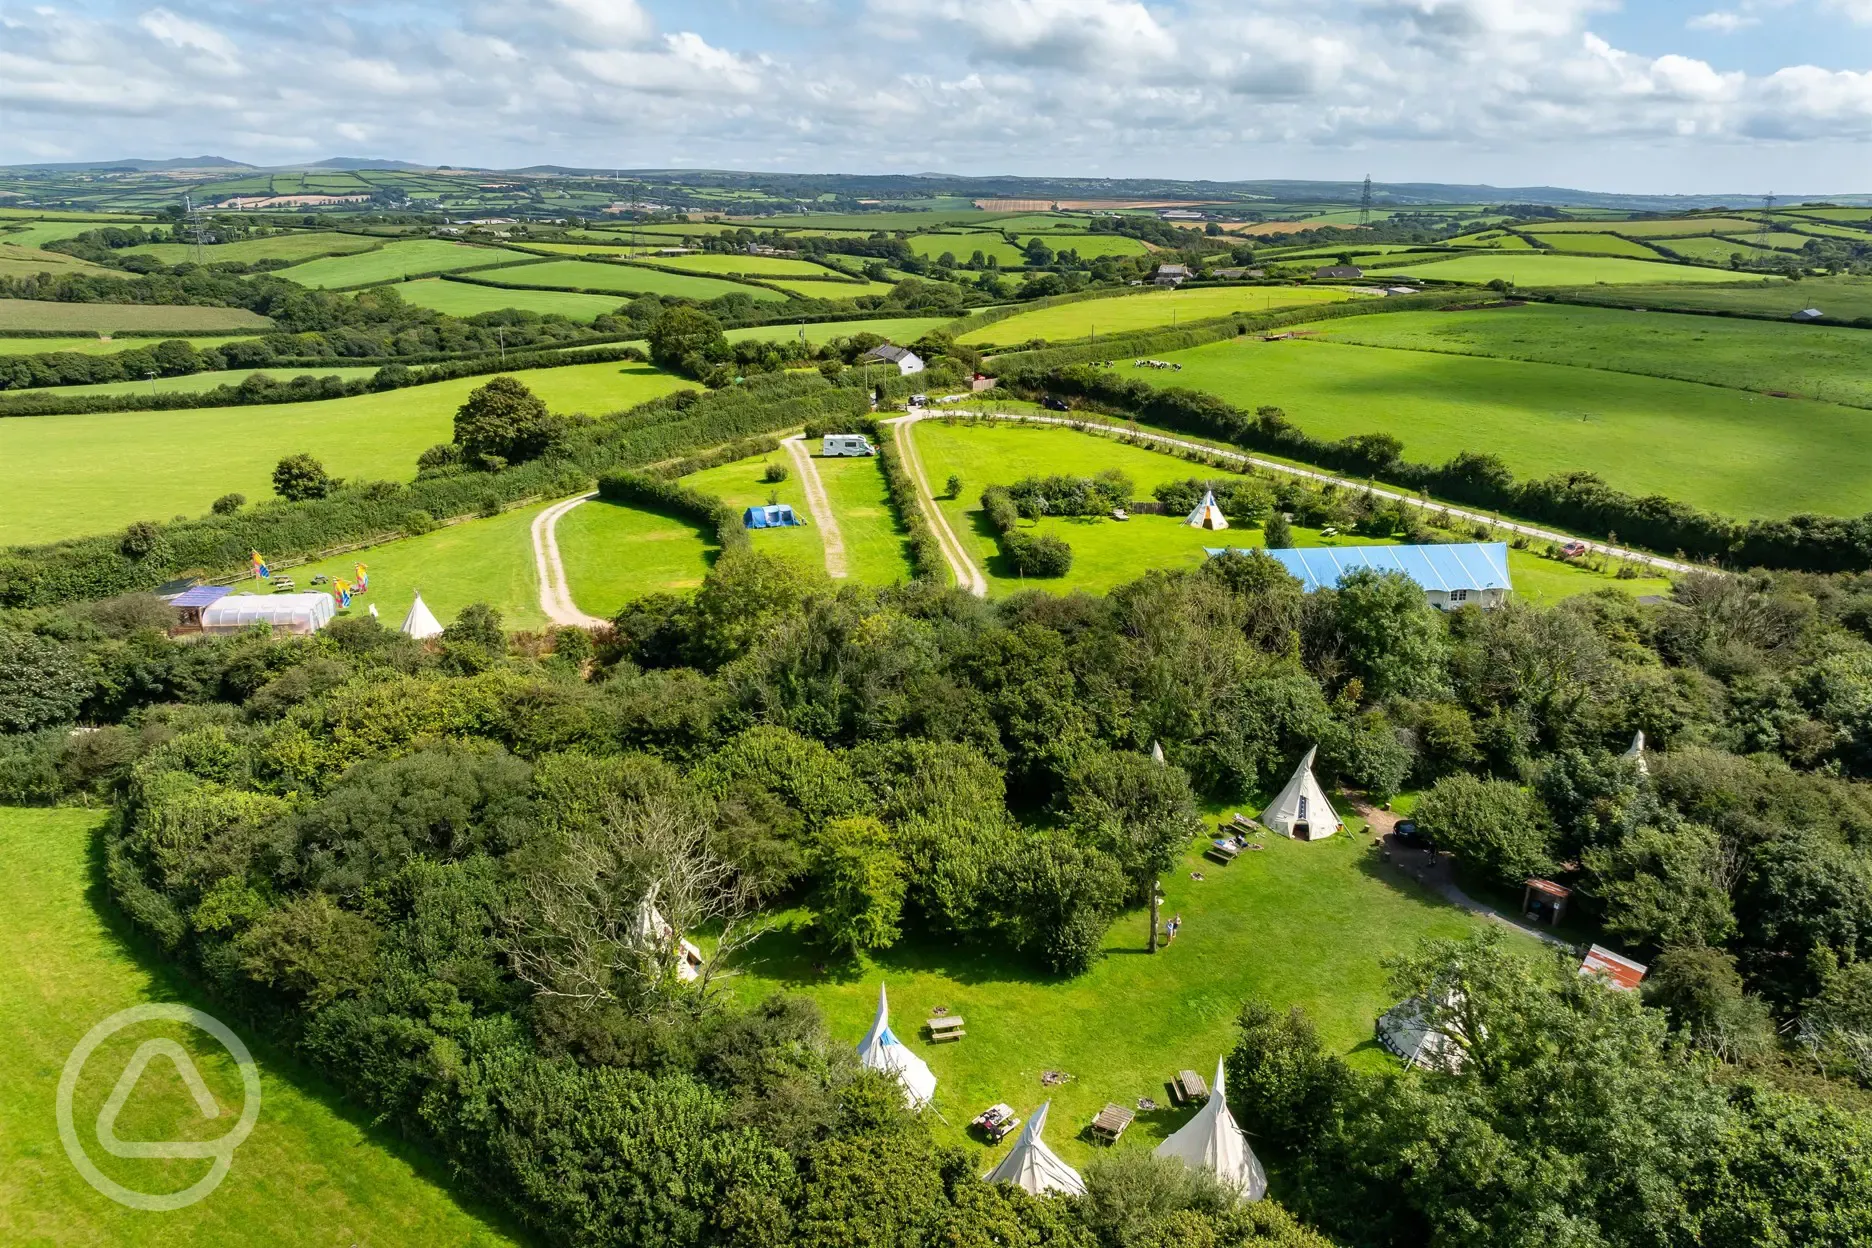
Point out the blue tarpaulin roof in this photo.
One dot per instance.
(200, 596)
(1459, 565)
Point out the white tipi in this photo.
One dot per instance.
(1212, 1141)
(1302, 809)
(421, 623)
(882, 1050)
(1636, 754)
(1035, 1168)
(1207, 515)
(1157, 754)
(655, 933)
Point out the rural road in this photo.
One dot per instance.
(554, 597)
(819, 505)
(1550, 535)
(967, 575)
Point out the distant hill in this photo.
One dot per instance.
(133, 165)
(352, 163)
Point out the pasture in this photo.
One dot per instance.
(396, 261)
(194, 383)
(1700, 444)
(1812, 361)
(964, 247)
(1498, 240)
(903, 329)
(1541, 269)
(838, 291)
(74, 475)
(624, 279)
(1666, 227)
(1714, 250)
(293, 247)
(93, 345)
(613, 554)
(313, 1172)
(38, 233)
(1151, 309)
(744, 266)
(1597, 245)
(95, 318)
(30, 262)
(1841, 298)
(470, 299)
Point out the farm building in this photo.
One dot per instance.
(906, 360)
(1173, 274)
(190, 604)
(1236, 275)
(1615, 970)
(285, 613)
(1453, 575)
(1338, 271)
(1809, 314)
(773, 516)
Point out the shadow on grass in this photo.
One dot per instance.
(169, 982)
(790, 955)
(702, 532)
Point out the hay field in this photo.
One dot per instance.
(17, 314)
(297, 246)
(1661, 228)
(1597, 244)
(902, 329)
(30, 262)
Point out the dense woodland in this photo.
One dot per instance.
(420, 866)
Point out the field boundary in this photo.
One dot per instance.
(963, 568)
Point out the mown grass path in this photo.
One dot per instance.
(819, 505)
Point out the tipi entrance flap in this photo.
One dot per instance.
(1207, 515)
(1301, 809)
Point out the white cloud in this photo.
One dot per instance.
(1723, 21)
(1108, 36)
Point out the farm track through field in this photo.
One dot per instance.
(1457, 513)
(820, 506)
(555, 597)
(967, 575)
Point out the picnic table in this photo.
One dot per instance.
(996, 1121)
(1188, 1086)
(1110, 1123)
(1223, 852)
(947, 1027)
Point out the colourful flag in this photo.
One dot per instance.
(259, 567)
(343, 590)
(363, 579)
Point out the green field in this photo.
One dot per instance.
(426, 255)
(1535, 269)
(194, 383)
(625, 280)
(1597, 244)
(964, 246)
(16, 314)
(1841, 298)
(39, 233)
(1714, 250)
(31, 262)
(872, 221)
(1777, 239)
(72, 475)
(1664, 228)
(829, 290)
(1703, 445)
(900, 329)
(744, 266)
(1298, 923)
(1107, 553)
(1812, 361)
(876, 552)
(314, 1172)
(1149, 310)
(93, 345)
(296, 246)
(739, 485)
(613, 554)
(469, 299)
(487, 561)
(1092, 246)
(1499, 240)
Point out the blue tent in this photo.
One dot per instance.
(779, 516)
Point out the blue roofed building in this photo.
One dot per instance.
(1455, 575)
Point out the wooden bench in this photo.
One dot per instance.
(1110, 1123)
(1188, 1088)
(948, 1027)
(1223, 852)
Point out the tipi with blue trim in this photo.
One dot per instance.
(882, 1050)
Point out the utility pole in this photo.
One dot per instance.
(1767, 221)
(1156, 899)
(1364, 211)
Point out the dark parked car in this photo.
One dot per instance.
(1408, 833)
(1053, 404)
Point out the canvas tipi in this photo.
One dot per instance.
(1302, 810)
(1211, 1141)
(655, 933)
(1409, 1030)
(1636, 754)
(421, 623)
(1033, 1167)
(1207, 515)
(882, 1050)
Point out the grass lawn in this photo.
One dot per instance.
(1733, 452)
(625, 280)
(296, 246)
(1814, 361)
(1151, 310)
(93, 345)
(897, 329)
(1841, 298)
(72, 475)
(424, 255)
(739, 484)
(313, 1172)
(16, 261)
(487, 561)
(1598, 245)
(193, 383)
(876, 549)
(1295, 924)
(109, 317)
(613, 554)
(829, 290)
(745, 266)
(1108, 553)
(468, 299)
(1538, 269)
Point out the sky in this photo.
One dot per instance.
(1652, 96)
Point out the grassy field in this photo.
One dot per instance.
(897, 329)
(1151, 310)
(1597, 244)
(1665, 228)
(1734, 452)
(829, 290)
(72, 475)
(1296, 924)
(1499, 240)
(613, 554)
(876, 551)
(77, 318)
(194, 382)
(467, 299)
(1107, 553)
(625, 280)
(487, 561)
(1538, 269)
(739, 485)
(296, 246)
(312, 1173)
(744, 266)
(16, 261)
(93, 345)
(1841, 298)
(424, 255)
(1713, 250)
(38, 233)
(1813, 361)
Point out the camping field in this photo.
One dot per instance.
(739, 485)
(1541, 269)
(613, 554)
(17, 314)
(1149, 310)
(624, 279)
(876, 552)
(395, 261)
(469, 299)
(74, 475)
(314, 1171)
(1733, 452)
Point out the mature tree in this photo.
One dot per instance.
(42, 682)
(687, 340)
(503, 423)
(859, 900)
(1278, 531)
(1664, 886)
(1699, 988)
(297, 478)
(1394, 639)
(1495, 828)
(1139, 811)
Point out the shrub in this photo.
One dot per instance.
(228, 504)
(774, 474)
(300, 478)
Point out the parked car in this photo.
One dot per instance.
(1408, 833)
(1053, 404)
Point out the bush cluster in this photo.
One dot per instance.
(1028, 554)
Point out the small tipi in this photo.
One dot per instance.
(1157, 754)
(882, 1050)
(1211, 1141)
(1035, 1168)
(421, 623)
(1636, 753)
(1207, 515)
(655, 933)
(1408, 1029)
(1302, 809)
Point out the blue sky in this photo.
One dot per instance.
(1658, 95)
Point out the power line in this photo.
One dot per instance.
(1767, 221)
(1364, 211)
